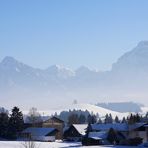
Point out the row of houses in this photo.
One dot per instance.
(92, 134)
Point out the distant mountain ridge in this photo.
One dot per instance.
(137, 58)
(24, 85)
(122, 106)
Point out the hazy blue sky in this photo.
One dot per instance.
(71, 32)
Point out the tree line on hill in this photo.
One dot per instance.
(84, 117)
(77, 117)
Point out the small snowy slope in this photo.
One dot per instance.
(96, 109)
(144, 109)
(89, 107)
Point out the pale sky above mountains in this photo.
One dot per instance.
(71, 33)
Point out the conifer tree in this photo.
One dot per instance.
(4, 120)
(82, 119)
(91, 119)
(73, 119)
(110, 118)
(16, 123)
(117, 119)
(100, 121)
(124, 120)
(106, 120)
(112, 136)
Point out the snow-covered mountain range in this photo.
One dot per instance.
(25, 86)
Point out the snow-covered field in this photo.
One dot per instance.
(16, 144)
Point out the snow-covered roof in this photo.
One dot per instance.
(81, 128)
(106, 127)
(38, 131)
(98, 135)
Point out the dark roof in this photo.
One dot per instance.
(55, 119)
(106, 127)
(39, 131)
(98, 135)
(136, 126)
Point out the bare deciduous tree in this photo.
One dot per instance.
(29, 144)
(34, 116)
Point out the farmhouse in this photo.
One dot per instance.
(124, 133)
(94, 138)
(98, 134)
(139, 130)
(56, 123)
(118, 127)
(75, 132)
(39, 134)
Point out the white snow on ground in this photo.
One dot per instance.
(91, 108)
(16, 144)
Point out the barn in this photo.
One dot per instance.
(75, 132)
(39, 134)
(56, 123)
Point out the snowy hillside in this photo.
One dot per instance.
(144, 109)
(91, 108)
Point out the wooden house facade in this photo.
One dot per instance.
(56, 123)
